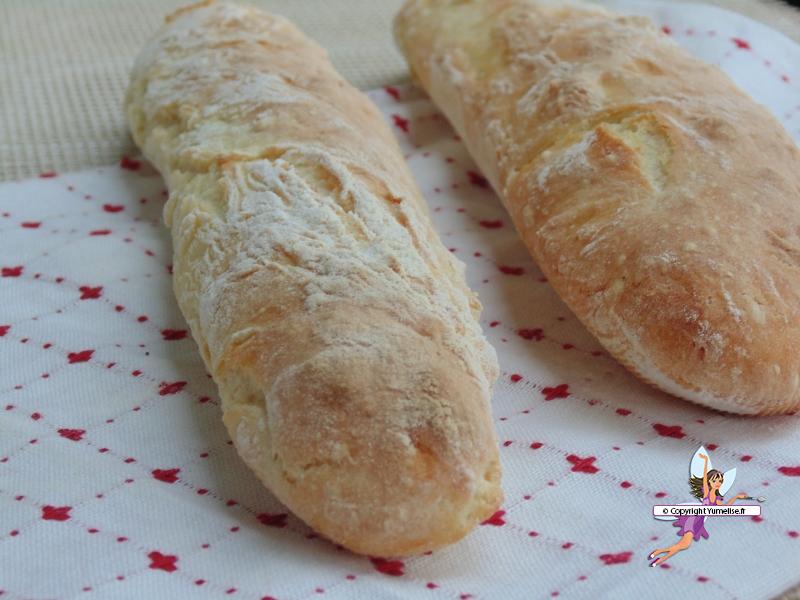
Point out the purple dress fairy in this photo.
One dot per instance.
(693, 523)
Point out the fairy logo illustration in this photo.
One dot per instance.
(710, 486)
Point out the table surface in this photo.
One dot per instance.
(61, 89)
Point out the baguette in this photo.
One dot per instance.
(660, 201)
(354, 376)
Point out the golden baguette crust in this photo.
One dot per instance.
(661, 202)
(354, 376)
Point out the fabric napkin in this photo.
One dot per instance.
(117, 478)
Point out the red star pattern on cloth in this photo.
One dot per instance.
(90, 293)
(273, 520)
(11, 271)
(673, 431)
(108, 402)
(163, 562)
(56, 513)
(496, 519)
(173, 334)
(166, 475)
(536, 334)
(559, 391)
(516, 271)
(167, 388)
(491, 223)
(477, 179)
(80, 357)
(741, 44)
(583, 465)
(400, 122)
(76, 435)
(396, 568)
(131, 164)
(616, 559)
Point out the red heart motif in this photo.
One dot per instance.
(113, 208)
(4, 329)
(31, 224)
(56, 513)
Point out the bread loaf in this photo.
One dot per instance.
(354, 376)
(661, 202)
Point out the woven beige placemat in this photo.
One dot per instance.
(64, 66)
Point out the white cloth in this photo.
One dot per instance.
(117, 477)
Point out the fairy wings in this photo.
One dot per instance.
(696, 470)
